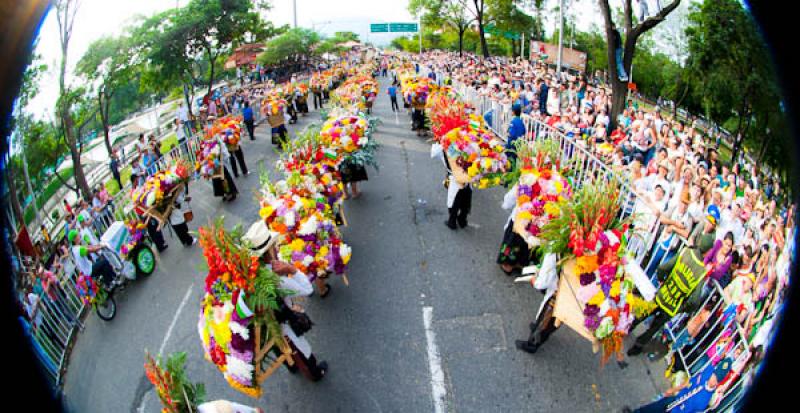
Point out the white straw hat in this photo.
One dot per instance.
(260, 237)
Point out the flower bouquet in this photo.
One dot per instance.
(416, 89)
(539, 190)
(158, 188)
(176, 393)
(209, 159)
(136, 234)
(475, 154)
(345, 134)
(273, 105)
(237, 310)
(588, 229)
(446, 112)
(230, 129)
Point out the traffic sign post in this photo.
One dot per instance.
(379, 28)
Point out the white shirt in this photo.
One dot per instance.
(83, 263)
(220, 406)
(301, 287)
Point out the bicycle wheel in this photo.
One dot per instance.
(144, 260)
(106, 309)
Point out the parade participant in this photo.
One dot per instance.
(418, 117)
(249, 120)
(516, 130)
(177, 219)
(301, 101)
(686, 275)
(294, 322)
(392, 92)
(276, 122)
(237, 155)
(88, 261)
(459, 200)
(316, 90)
(514, 252)
(224, 186)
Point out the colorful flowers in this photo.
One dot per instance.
(539, 191)
(477, 152)
(157, 186)
(136, 230)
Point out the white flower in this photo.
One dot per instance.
(239, 368)
(363, 141)
(309, 227)
(308, 260)
(240, 330)
(290, 219)
(345, 250)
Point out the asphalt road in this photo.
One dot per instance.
(372, 333)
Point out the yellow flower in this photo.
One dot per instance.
(597, 299)
(614, 292)
(323, 251)
(526, 216)
(484, 152)
(265, 211)
(472, 170)
(550, 208)
(297, 244)
(559, 186)
(346, 258)
(586, 263)
(483, 183)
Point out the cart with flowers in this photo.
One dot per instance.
(155, 198)
(595, 293)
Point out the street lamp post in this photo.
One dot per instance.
(560, 36)
(294, 13)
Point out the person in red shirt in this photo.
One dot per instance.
(67, 207)
(618, 135)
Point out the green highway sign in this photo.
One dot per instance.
(379, 27)
(403, 27)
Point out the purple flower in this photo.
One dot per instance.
(592, 322)
(587, 278)
(591, 310)
(606, 287)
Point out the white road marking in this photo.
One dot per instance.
(175, 319)
(434, 362)
(143, 404)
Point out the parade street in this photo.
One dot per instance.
(427, 323)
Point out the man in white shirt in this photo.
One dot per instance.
(87, 259)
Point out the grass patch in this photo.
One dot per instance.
(169, 142)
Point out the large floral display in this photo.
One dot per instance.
(157, 188)
(236, 314)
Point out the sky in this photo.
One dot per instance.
(98, 18)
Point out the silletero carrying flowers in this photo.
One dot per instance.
(236, 317)
(157, 188)
(475, 154)
(588, 229)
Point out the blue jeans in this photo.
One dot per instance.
(620, 68)
(658, 406)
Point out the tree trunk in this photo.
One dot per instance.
(461, 42)
(484, 46)
(211, 74)
(77, 167)
(104, 110)
(12, 195)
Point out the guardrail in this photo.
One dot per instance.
(586, 168)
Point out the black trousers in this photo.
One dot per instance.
(251, 128)
(660, 318)
(308, 366)
(317, 100)
(182, 230)
(155, 234)
(543, 326)
(394, 103)
(238, 155)
(102, 269)
(461, 207)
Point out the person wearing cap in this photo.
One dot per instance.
(85, 231)
(177, 219)
(224, 406)
(693, 396)
(263, 244)
(87, 260)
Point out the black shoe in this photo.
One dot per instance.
(327, 291)
(162, 249)
(526, 347)
(634, 351)
(323, 368)
(451, 226)
(622, 364)
(626, 409)
(462, 224)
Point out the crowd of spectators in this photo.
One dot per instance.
(736, 214)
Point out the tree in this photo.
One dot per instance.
(293, 45)
(72, 108)
(107, 65)
(344, 37)
(443, 12)
(732, 67)
(478, 10)
(628, 45)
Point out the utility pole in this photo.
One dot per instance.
(522, 47)
(294, 13)
(419, 29)
(560, 36)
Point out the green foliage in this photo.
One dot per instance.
(173, 386)
(290, 46)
